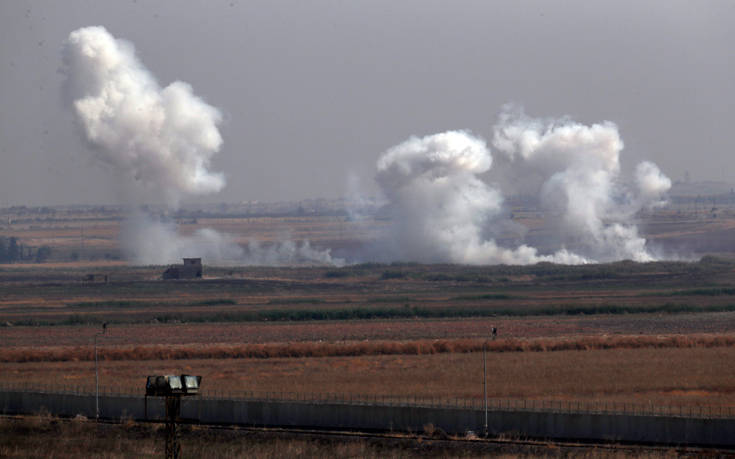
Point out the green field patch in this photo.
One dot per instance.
(486, 296)
(716, 291)
(111, 304)
(134, 303)
(386, 275)
(368, 313)
(213, 302)
(389, 299)
(296, 301)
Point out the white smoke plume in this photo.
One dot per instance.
(580, 170)
(161, 138)
(288, 253)
(160, 142)
(150, 241)
(652, 184)
(441, 207)
(443, 211)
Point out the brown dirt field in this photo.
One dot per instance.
(677, 376)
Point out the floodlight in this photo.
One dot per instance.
(174, 383)
(191, 383)
(172, 387)
(166, 385)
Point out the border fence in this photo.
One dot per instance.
(543, 419)
(493, 404)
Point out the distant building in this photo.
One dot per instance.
(190, 269)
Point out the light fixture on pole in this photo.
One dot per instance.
(172, 387)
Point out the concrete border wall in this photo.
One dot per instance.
(669, 430)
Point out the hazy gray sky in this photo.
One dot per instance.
(313, 92)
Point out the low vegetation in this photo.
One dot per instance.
(46, 436)
(715, 291)
(317, 349)
(137, 304)
(621, 331)
(675, 376)
(357, 312)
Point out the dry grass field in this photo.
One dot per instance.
(662, 376)
(45, 436)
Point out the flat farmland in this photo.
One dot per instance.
(672, 377)
(654, 333)
(368, 330)
(40, 295)
(90, 233)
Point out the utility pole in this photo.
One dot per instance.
(97, 375)
(484, 379)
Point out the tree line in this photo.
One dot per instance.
(12, 251)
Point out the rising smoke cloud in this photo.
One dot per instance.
(443, 211)
(160, 142)
(161, 138)
(150, 241)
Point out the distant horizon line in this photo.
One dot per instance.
(725, 187)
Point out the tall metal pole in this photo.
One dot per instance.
(97, 375)
(96, 382)
(484, 380)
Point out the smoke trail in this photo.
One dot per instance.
(442, 210)
(160, 142)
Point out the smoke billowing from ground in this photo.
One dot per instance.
(443, 212)
(150, 241)
(160, 143)
(162, 139)
(288, 253)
